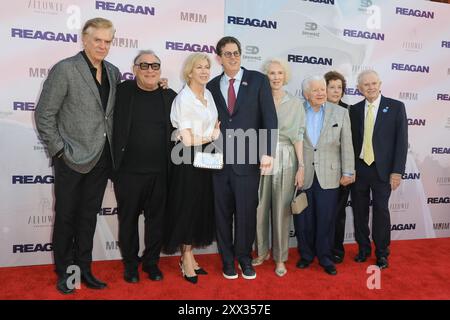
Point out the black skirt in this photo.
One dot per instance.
(190, 210)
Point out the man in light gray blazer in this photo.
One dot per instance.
(74, 118)
(329, 161)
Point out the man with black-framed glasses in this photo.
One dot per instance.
(141, 149)
(245, 105)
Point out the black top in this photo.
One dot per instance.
(103, 88)
(146, 147)
(343, 104)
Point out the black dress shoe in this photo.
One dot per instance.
(200, 271)
(131, 276)
(192, 279)
(303, 263)
(331, 270)
(62, 287)
(92, 282)
(361, 257)
(337, 258)
(154, 273)
(382, 262)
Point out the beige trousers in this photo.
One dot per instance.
(275, 195)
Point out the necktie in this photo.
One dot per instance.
(231, 97)
(368, 155)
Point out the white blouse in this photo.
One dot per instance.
(189, 113)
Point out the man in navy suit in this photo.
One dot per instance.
(245, 105)
(380, 141)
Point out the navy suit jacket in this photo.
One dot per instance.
(390, 136)
(254, 109)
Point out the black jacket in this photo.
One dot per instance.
(123, 115)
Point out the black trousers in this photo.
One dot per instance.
(367, 180)
(236, 196)
(78, 199)
(136, 193)
(339, 232)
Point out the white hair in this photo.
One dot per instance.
(282, 63)
(365, 73)
(306, 84)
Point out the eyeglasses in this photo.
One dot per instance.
(145, 65)
(228, 54)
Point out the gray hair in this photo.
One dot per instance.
(365, 73)
(142, 52)
(306, 84)
(282, 63)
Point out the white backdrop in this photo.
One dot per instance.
(314, 36)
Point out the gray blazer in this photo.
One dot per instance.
(70, 116)
(333, 155)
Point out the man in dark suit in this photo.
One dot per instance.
(141, 148)
(380, 140)
(74, 119)
(245, 105)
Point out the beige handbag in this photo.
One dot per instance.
(299, 202)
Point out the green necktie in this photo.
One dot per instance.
(368, 155)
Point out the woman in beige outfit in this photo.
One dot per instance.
(276, 191)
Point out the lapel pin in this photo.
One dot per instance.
(385, 109)
(244, 83)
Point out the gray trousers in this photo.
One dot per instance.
(275, 195)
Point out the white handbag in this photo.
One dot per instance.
(206, 160)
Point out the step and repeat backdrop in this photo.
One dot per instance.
(407, 42)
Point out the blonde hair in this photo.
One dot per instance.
(98, 23)
(191, 61)
(283, 64)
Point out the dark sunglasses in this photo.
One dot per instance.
(145, 65)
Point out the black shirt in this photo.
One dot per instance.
(103, 88)
(343, 104)
(146, 147)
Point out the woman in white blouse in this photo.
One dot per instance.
(190, 214)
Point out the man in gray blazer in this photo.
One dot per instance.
(74, 118)
(329, 162)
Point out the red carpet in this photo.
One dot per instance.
(419, 269)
